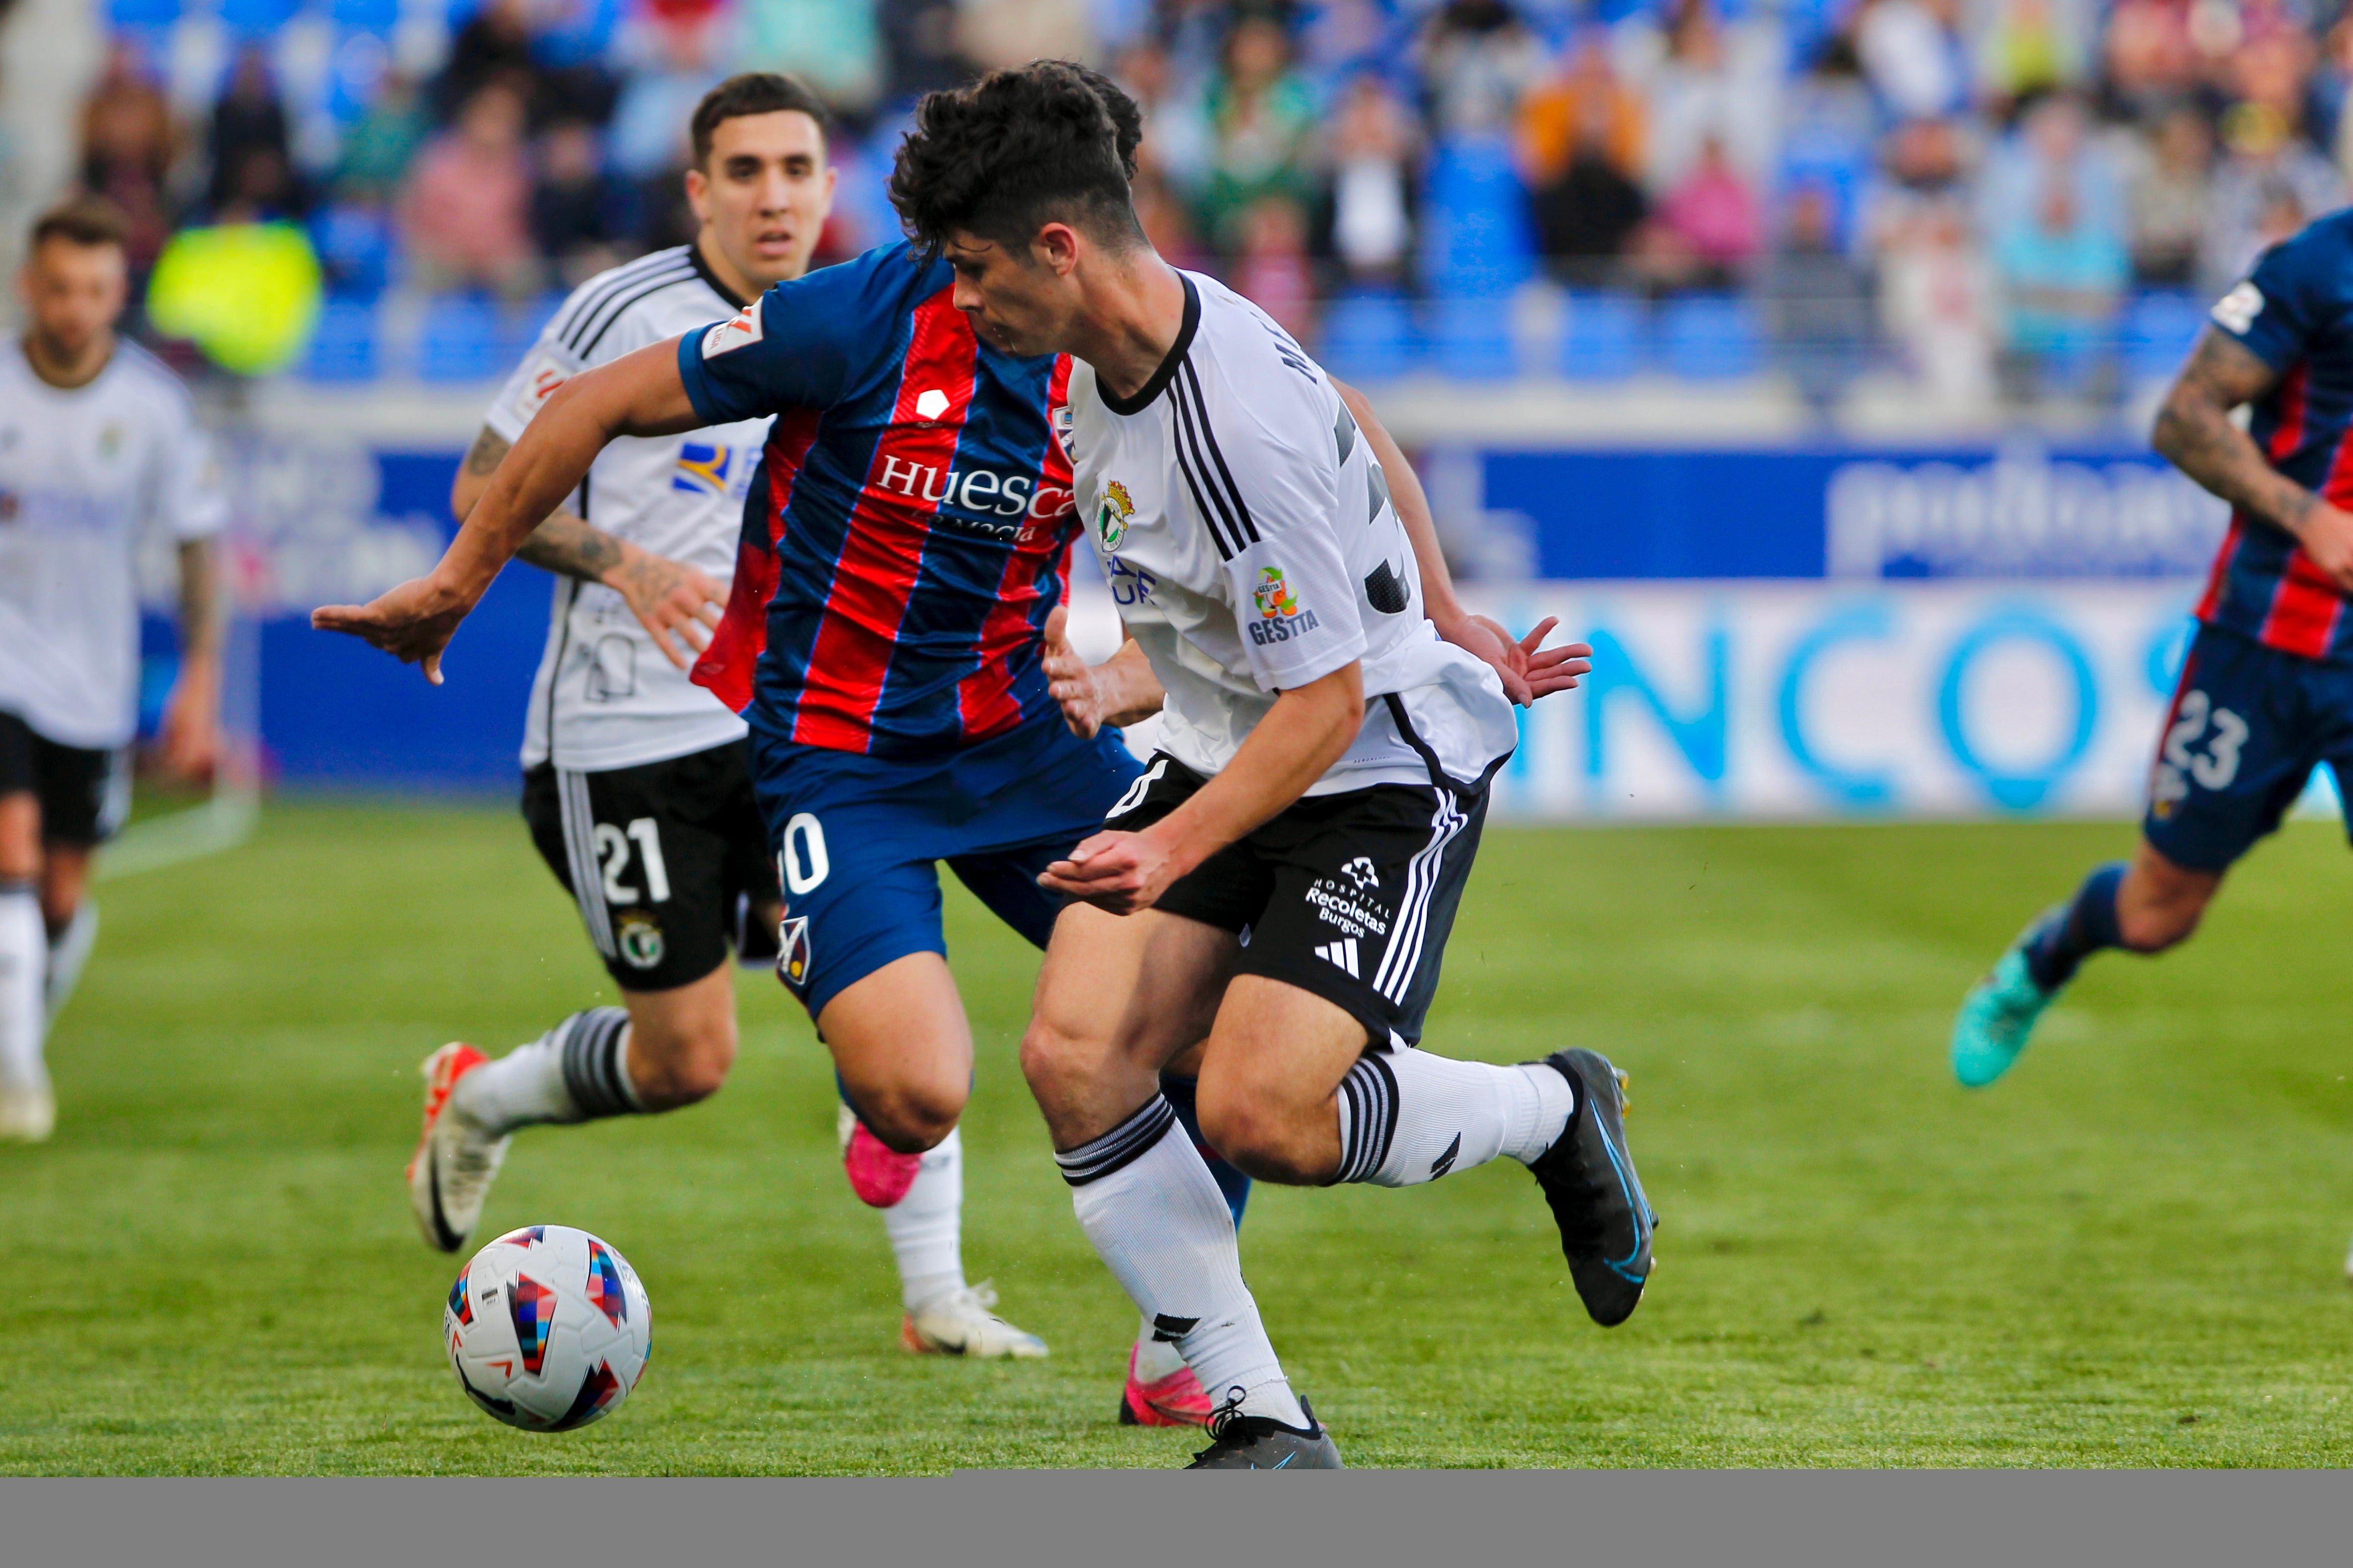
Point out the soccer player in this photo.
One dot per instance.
(2266, 690)
(99, 447)
(638, 787)
(1282, 877)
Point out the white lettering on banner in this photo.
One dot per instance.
(2021, 514)
(1800, 700)
(982, 491)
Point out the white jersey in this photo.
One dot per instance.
(1248, 536)
(606, 697)
(86, 476)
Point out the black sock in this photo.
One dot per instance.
(2076, 929)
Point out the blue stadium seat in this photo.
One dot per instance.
(461, 339)
(1369, 337)
(257, 18)
(2159, 328)
(1711, 337)
(343, 345)
(354, 246)
(1601, 338)
(522, 330)
(143, 15)
(1476, 242)
(1472, 339)
(365, 16)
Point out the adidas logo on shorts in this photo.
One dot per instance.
(1342, 952)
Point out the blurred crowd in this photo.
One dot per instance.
(1979, 194)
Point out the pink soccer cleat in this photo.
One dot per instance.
(879, 1174)
(1177, 1400)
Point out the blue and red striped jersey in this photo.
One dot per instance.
(910, 525)
(2295, 313)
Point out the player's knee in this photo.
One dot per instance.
(1053, 1059)
(911, 1118)
(676, 1067)
(1256, 1135)
(2154, 926)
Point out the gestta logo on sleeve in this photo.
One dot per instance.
(1281, 618)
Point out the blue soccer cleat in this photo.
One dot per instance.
(1998, 1017)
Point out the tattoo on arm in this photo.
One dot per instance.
(199, 599)
(2195, 433)
(572, 547)
(483, 456)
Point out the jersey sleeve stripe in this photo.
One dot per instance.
(584, 300)
(1192, 384)
(620, 308)
(1206, 501)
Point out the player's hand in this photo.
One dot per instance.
(1070, 679)
(2327, 535)
(413, 622)
(1121, 872)
(191, 732)
(1547, 669)
(678, 605)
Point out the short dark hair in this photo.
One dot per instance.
(82, 220)
(754, 92)
(1032, 144)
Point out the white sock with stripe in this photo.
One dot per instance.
(926, 1226)
(1148, 1203)
(577, 1072)
(23, 964)
(1407, 1117)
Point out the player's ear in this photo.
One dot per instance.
(1057, 248)
(698, 193)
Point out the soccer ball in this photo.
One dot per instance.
(548, 1329)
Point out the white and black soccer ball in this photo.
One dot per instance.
(548, 1327)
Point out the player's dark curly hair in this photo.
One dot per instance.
(1045, 143)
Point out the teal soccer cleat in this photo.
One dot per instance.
(1997, 1017)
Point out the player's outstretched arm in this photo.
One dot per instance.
(1528, 668)
(1120, 691)
(639, 394)
(1301, 735)
(678, 605)
(2195, 433)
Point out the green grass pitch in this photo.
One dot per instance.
(2127, 1253)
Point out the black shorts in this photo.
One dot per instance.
(84, 795)
(669, 861)
(1348, 896)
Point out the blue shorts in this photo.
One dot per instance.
(2248, 725)
(857, 840)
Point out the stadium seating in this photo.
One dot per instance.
(1711, 337)
(1369, 336)
(2159, 328)
(1601, 338)
(1471, 339)
(343, 346)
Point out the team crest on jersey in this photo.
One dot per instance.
(743, 328)
(1113, 516)
(793, 952)
(1275, 599)
(639, 938)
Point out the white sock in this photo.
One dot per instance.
(1407, 1117)
(576, 1071)
(1148, 1203)
(24, 964)
(69, 951)
(926, 1226)
(1155, 1357)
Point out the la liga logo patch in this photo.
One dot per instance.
(743, 328)
(793, 952)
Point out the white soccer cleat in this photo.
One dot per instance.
(961, 1323)
(28, 1114)
(450, 1174)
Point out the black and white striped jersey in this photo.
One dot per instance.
(604, 697)
(1248, 536)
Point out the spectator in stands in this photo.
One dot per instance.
(2268, 186)
(380, 144)
(1371, 151)
(2033, 47)
(1911, 53)
(1718, 81)
(248, 145)
(920, 51)
(127, 148)
(1272, 270)
(1554, 116)
(995, 33)
(1711, 225)
(2151, 64)
(1176, 136)
(1817, 298)
(1937, 303)
(494, 45)
(1261, 120)
(2053, 146)
(1589, 216)
(834, 45)
(465, 210)
(581, 217)
(2062, 277)
(1477, 60)
(670, 69)
(2168, 194)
